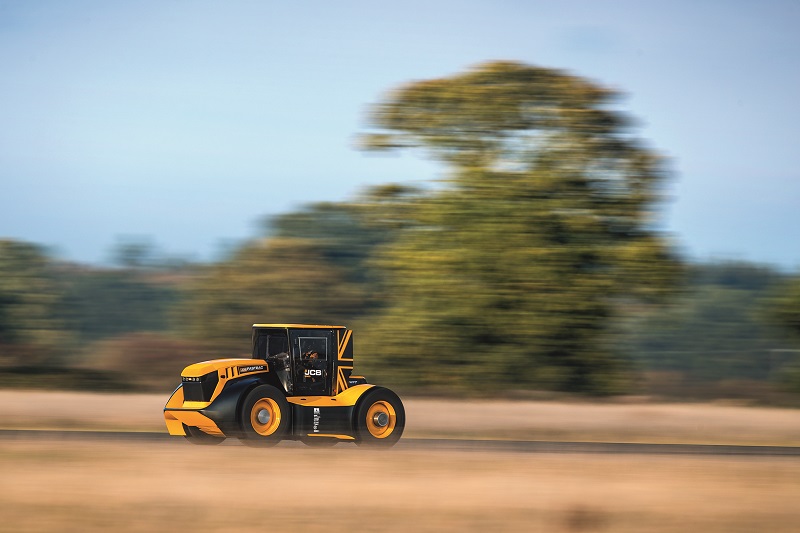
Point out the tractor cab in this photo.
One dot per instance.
(307, 360)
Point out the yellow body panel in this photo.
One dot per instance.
(174, 426)
(345, 399)
(175, 416)
(227, 369)
(193, 418)
(204, 367)
(176, 400)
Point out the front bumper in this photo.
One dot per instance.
(178, 413)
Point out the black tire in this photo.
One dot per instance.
(266, 417)
(197, 436)
(379, 418)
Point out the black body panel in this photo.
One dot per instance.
(224, 411)
(324, 420)
(200, 389)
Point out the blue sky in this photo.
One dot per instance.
(189, 121)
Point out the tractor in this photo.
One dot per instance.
(298, 385)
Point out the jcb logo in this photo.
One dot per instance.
(313, 373)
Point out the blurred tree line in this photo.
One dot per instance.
(534, 263)
(64, 325)
(729, 332)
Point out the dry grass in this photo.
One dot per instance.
(171, 485)
(678, 423)
(95, 485)
(642, 422)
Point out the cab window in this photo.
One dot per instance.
(277, 345)
(313, 348)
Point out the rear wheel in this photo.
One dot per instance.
(266, 417)
(380, 418)
(198, 436)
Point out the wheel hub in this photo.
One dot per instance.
(263, 416)
(381, 419)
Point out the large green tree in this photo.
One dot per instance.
(508, 273)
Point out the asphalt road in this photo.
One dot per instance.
(450, 444)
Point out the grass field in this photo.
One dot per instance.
(92, 484)
(77, 486)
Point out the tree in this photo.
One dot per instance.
(784, 311)
(101, 303)
(510, 272)
(716, 330)
(341, 232)
(134, 252)
(29, 295)
(276, 280)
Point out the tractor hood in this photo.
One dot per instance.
(227, 367)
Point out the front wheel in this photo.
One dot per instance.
(266, 417)
(380, 419)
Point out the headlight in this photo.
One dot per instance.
(199, 389)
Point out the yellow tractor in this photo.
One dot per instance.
(298, 385)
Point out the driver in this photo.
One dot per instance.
(310, 362)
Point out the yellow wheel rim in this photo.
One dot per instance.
(381, 419)
(265, 416)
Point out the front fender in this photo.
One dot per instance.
(225, 409)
